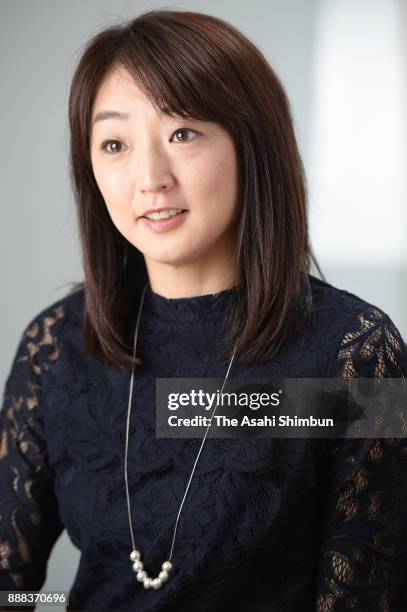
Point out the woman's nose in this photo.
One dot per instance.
(153, 171)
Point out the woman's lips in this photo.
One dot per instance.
(163, 225)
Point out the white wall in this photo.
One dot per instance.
(358, 154)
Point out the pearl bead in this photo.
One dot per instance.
(141, 576)
(156, 583)
(138, 565)
(147, 583)
(163, 575)
(134, 555)
(167, 565)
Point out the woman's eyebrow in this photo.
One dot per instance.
(109, 114)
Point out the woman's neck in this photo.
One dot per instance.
(173, 282)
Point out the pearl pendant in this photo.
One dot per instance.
(142, 576)
(135, 555)
(138, 566)
(147, 583)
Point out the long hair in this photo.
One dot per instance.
(193, 64)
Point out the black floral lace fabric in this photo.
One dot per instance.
(268, 524)
(363, 560)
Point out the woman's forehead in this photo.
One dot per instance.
(119, 96)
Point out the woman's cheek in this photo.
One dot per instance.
(115, 192)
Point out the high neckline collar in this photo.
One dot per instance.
(190, 309)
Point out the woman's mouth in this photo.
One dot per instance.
(164, 224)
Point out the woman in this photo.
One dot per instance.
(179, 112)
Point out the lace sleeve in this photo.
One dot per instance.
(29, 520)
(363, 556)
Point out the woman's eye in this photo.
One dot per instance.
(115, 146)
(111, 146)
(181, 131)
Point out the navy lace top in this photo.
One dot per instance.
(268, 524)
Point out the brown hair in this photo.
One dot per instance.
(192, 64)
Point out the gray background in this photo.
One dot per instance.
(40, 43)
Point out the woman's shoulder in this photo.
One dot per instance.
(341, 308)
(65, 312)
(327, 296)
(54, 331)
(41, 339)
(364, 337)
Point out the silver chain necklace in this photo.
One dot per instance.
(135, 555)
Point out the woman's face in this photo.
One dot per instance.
(143, 160)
